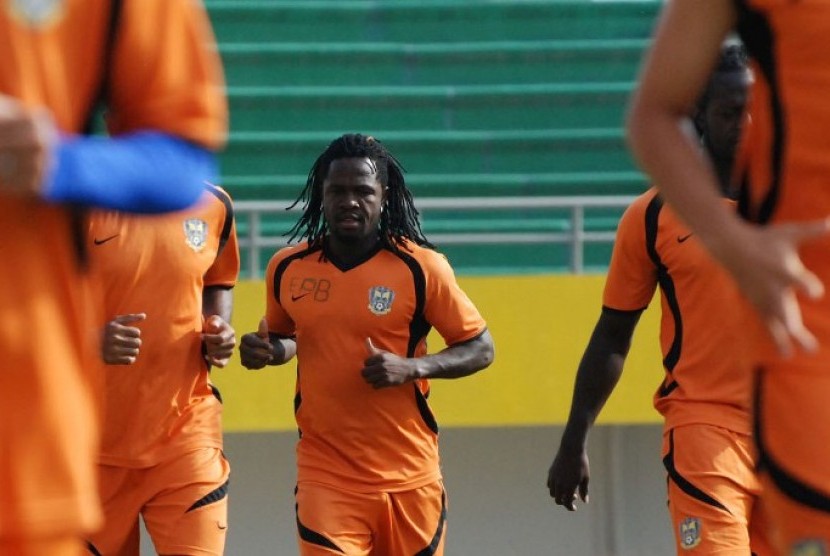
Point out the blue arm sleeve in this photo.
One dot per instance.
(147, 172)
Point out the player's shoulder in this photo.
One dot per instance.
(422, 254)
(643, 201)
(430, 261)
(292, 252)
(634, 220)
(217, 194)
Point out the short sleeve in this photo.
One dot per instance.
(225, 269)
(447, 307)
(632, 276)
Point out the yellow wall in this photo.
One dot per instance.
(540, 324)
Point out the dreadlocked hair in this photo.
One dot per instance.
(398, 219)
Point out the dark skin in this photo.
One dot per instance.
(353, 198)
(719, 122)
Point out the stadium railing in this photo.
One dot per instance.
(258, 230)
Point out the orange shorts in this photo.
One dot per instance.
(334, 521)
(793, 437)
(183, 502)
(713, 491)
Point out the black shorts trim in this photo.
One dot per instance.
(683, 483)
(785, 482)
(211, 497)
(439, 531)
(311, 536)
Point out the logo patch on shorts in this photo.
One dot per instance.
(690, 533)
(195, 233)
(809, 547)
(380, 300)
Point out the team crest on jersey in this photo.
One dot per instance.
(380, 300)
(195, 233)
(689, 533)
(809, 547)
(36, 13)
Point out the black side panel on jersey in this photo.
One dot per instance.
(418, 326)
(759, 38)
(228, 223)
(666, 283)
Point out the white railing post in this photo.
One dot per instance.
(577, 243)
(254, 240)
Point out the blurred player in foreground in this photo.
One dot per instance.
(778, 252)
(151, 64)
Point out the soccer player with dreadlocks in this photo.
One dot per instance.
(354, 300)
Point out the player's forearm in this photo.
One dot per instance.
(147, 172)
(599, 371)
(459, 360)
(217, 300)
(595, 382)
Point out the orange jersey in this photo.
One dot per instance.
(49, 429)
(784, 154)
(353, 436)
(706, 381)
(164, 403)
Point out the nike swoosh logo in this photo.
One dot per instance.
(296, 297)
(106, 239)
(681, 239)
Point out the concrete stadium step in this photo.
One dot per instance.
(447, 152)
(429, 20)
(569, 105)
(282, 64)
